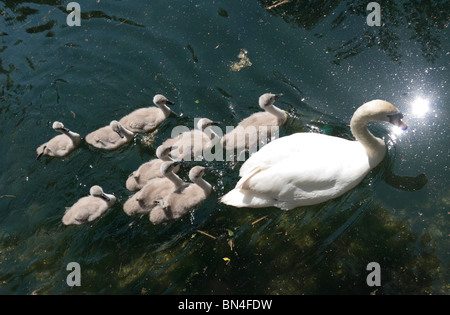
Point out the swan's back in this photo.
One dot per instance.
(309, 148)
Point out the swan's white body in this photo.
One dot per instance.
(308, 168)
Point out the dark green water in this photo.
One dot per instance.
(326, 61)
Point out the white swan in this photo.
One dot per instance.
(252, 129)
(60, 145)
(309, 168)
(194, 143)
(89, 208)
(147, 119)
(109, 137)
(150, 169)
(183, 199)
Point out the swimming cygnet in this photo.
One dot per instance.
(158, 188)
(60, 145)
(147, 119)
(132, 207)
(250, 131)
(150, 169)
(89, 208)
(194, 143)
(109, 137)
(184, 199)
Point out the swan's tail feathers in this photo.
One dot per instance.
(242, 198)
(242, 183)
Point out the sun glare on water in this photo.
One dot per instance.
(420, 106)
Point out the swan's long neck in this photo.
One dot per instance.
(165, 158)
(375, 147)
(203, 185)
(178, 182)
(75, 137)
(127, 133)
(280, 114)
(165, 109)
(214, 137)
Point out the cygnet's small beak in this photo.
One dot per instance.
(119, 132)
(396, 120)
(277, 96)
(41, 154)
(105, 197)
(182, 163)
(215, 123)
(169, 103)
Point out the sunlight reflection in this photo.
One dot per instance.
(420, 106)
(396, 132)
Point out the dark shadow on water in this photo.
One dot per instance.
(425, 21)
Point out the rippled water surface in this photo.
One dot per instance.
(325, 60)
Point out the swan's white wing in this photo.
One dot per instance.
(302, 169)
(284, 147)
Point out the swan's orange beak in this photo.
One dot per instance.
(397, 121)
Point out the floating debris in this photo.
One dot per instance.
(209, 235)
(277, 4)
(149, 138)
(262, 218)
(243, 62)
(194, 57)
(227, 260)
(12, 196)
(222, 12)
(231, 244)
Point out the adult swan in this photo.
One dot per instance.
(309, 168)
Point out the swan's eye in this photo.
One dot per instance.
(395, 117)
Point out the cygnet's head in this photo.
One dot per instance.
(59, 126)
(163, 151)
(117, 127)
(268, 99)
(204, 123)
(379, 110)
(167, 167)
(97, 191)
(196, 172)
(160, 100)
